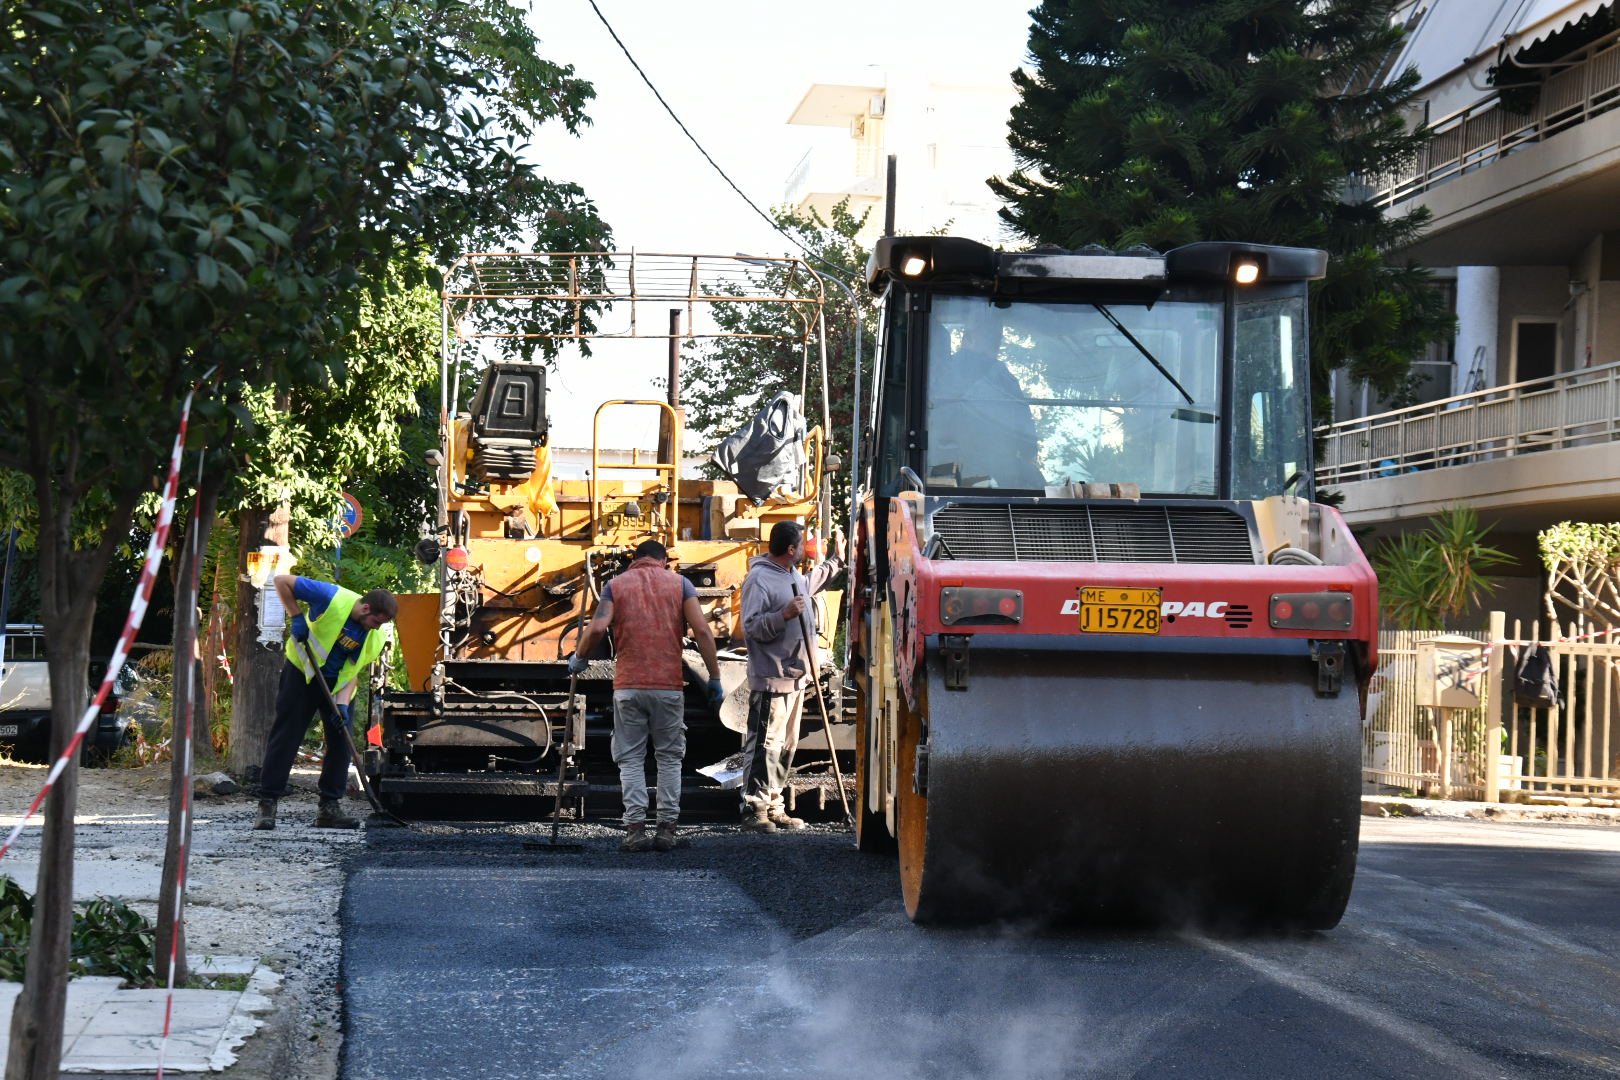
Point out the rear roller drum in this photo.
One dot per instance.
(1173, 787)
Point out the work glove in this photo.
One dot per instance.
(577, 664)
(300, 627)
(343, 711)
(717, 694)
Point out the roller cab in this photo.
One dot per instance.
(1109, 654)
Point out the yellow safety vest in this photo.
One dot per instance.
(323, 635)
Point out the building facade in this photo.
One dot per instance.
(1516, 415)
(947, 138)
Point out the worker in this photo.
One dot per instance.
(645, 607)
(781, 664)
(980, 428)
(343, 630)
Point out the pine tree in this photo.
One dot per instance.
(1164, 122)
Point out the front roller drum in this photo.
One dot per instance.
(1166, 788)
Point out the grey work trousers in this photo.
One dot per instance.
(658, 716)
(768, 748)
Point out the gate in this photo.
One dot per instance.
(1501, 751)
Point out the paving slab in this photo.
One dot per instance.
(109, 1030)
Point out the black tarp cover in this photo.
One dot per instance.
(767, 453)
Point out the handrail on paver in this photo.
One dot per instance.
(1575, 408)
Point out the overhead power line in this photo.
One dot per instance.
(706, 156)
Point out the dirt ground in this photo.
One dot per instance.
(272, 894)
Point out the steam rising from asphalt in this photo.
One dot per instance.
(844, 1014)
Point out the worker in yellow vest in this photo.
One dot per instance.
(342, 629)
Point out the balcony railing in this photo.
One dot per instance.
(1578, 408)
(1486, 131)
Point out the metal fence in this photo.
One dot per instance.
(1571, 750)
(1502, 750)
(1576, 408)
(1401, 740)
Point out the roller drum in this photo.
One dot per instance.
(1184, 783)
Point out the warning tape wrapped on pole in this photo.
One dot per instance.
(190, 590)
(132, 624)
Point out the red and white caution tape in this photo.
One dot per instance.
(190, 588)
(132, 624)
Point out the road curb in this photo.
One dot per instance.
(1394, 806)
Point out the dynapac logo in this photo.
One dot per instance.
(1197, 609)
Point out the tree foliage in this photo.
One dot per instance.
(1146, 122)
(1427, 577)
(202, 192)
(726, 380)
(1583, 570)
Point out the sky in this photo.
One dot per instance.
(733, 72)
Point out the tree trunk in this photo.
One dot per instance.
(38, 1017)
(253, 700)
(170, 938)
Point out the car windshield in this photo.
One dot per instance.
(1033, 396)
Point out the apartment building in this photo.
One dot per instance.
(1518, 414)
(947, 139)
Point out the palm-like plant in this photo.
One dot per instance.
(1426, 577)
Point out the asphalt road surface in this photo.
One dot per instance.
(1470, 949)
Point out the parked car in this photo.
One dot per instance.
(25, 702)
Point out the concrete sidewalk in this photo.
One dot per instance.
(109, 1030)
(1403, 806)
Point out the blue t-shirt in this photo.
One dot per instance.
(316, 595)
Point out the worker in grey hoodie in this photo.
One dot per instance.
(779, 671)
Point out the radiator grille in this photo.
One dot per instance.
(1092, 533)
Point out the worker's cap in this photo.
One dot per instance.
(652, 549)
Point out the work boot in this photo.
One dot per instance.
(636, 838)
(331, 816)
(758, 820)
(781, 820)
(665, 840)
(267, 815)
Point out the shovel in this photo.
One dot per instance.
(354, 754)
(563, 754)
(826, 717)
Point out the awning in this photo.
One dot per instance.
(1544, 18)
(1453, 34)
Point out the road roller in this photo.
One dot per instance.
(1110, 656)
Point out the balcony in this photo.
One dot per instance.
(1487, 131)
(1537, 451)
(827, 174)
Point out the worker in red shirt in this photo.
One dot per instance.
(649, 608)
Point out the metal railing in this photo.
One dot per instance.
(798, 180)
(1576, 408)
(1502, 750)
(1487, 131)
(1400, 740)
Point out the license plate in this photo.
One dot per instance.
(12, 730)
(1108, 610)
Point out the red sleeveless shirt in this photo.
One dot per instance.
(648, 626)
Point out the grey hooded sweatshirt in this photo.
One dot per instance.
(775, 646)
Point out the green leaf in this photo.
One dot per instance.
(248, 256)
(207, 271)
(151, 192)
(275, 234)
